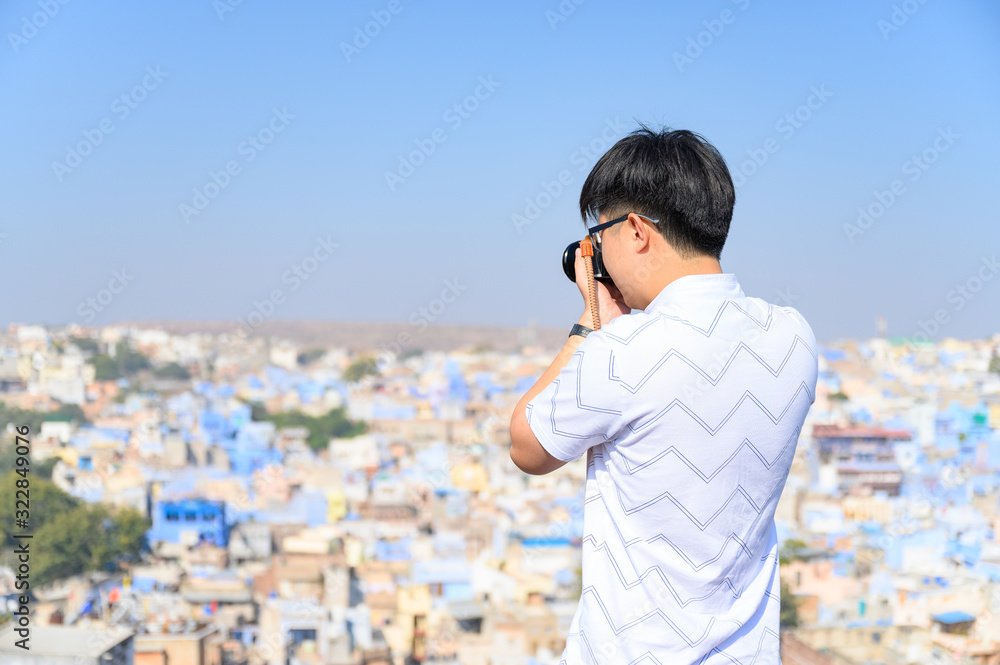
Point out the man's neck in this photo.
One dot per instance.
(703, 265)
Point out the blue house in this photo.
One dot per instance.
(173, 518)
(251, 449)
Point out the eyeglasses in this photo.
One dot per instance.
(594, 232)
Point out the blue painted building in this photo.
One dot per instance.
(173, 518)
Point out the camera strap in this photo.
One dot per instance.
(587, 251)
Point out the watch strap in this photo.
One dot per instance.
(580, 330)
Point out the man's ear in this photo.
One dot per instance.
(639, 232)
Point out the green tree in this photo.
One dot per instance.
(995, 363)
(78, 536)
(310, 356)
(85, 344)
(789, 615)
(46, 500)
(410, 353)
(70, 411)
(839, 396)
(172, 371)
(791, 551)
(360, 368)
(332, 424)
(16, 416)
(125, 363)
(44, 469)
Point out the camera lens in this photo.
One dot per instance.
(569, 260)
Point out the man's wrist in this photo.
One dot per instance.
(580, 330)
(587, 320)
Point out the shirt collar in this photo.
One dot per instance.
(697, 288)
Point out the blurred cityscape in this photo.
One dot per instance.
(217, 499)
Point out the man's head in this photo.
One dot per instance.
(675, 177)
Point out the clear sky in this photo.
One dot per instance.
(120, 120)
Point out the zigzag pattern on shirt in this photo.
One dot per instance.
(727, 581)
(739, 491)
(709, 477)
(698, 566)
(653, 613)
(695, 567)
(715, 381)
(593, 656)
(707, 333)
(579, 402)
(660, 536)
(760, 646)
(747, 395)
(767, 632)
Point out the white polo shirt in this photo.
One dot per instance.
(689, 412)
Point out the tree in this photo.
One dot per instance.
(360, 368)
(410, 353)
(46, 502)
(125, 363)
(16, 416)
(71, 411)
(995, 363)
(172, 371)
(33, 419)
(85, 344)
(78, 536)
(791, 551)
(839, 396)
(332, 424)
(310, 356)
(789, 615)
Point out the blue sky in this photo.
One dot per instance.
(840, 104)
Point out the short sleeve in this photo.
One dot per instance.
(582, 407)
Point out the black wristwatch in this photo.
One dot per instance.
(580, 330)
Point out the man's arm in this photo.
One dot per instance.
(525, 450)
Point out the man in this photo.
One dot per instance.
(689, 410)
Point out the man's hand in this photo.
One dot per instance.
(610, 303)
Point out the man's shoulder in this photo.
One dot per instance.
(747, 317)
(618, 333)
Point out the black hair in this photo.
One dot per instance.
(675, 176)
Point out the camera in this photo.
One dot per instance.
(569, 264)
